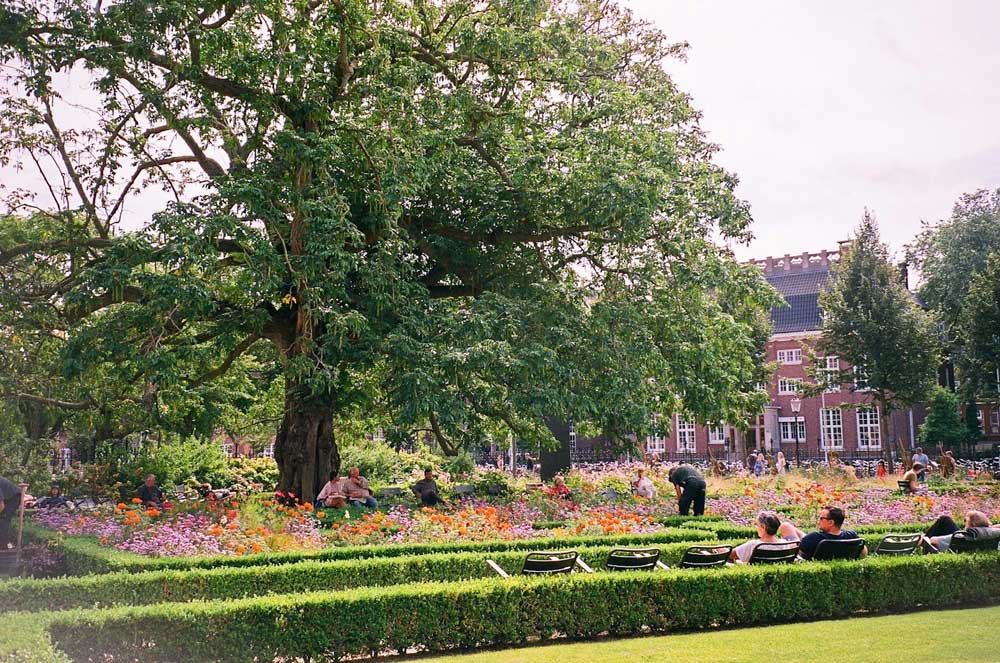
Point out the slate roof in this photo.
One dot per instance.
(801, 291)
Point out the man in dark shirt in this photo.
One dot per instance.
(831, 518)
(689, 485)
(150, 493)
(427, 489)
(10, 502)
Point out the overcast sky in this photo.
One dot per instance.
(824, 108)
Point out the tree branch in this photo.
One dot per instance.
(52, 402)
(242, 347)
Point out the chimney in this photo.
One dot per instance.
(904, 274)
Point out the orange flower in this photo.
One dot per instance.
(321, 514)
(152, 513)
(136, 500)
(216, 531)
(232, 514)
(121, 505)
(256, 547)
(231, 526)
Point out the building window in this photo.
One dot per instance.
(789, 385)
(861, 379)
(685, 436)
(869, 434)
(717, 434)
(65, 459)
(268, 451)
(227, 449)
(995, 419)
(572, 436)
(791, 356)
(833, 428)
(378, 435)
(787, 428)
(830, 373)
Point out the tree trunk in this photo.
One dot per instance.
(305, 449)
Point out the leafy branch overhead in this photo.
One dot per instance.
(465, 213)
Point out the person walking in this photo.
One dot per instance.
(780, 463)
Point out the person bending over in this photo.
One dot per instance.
(689, 485)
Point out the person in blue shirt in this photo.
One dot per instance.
(829, 526)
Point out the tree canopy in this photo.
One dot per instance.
(871, 320)
(466, 215)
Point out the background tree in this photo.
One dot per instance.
(943, 426)
(950, 255)
(871, 321)
(464, 214)
(978, 331)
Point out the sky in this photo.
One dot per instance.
(825, 108)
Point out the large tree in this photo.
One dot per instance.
(465, 214)
(950, 254)
(978, 331)
(871, 321)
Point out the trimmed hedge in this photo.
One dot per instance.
(226, 582)
(440, 617)
(669, 521)
(84, 555)
(727, 530)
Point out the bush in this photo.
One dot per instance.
(175, 461)
(26, 461)
(377, 462)
(481, 613)
(246, 473)
(84, 555)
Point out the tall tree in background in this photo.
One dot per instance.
(978, 331)
(871, 321)
(462, 214)
(943, 426)
(950, 255)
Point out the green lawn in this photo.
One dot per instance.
(931, 637)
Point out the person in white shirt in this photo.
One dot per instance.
(770, 529)
(643, 486)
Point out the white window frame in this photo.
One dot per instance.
(267, 451)
(831, 374)
(788, 386)
(861, 379)
(572, 435)
(717, 434)
(687, 439)
(786, 429)
(869, 430)
(65, 459)
(378, 435)
(790, 356)
(995, 419)
(980, 417)
(227, 449)
(832, 427)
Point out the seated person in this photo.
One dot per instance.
(559, 488)
(55, 499)
(333, 494)
(770, 529)
(831, 519)
(643, 486)
(938, 537)
(911, 477)
(150, 493)
(359, 492)
(427, 489)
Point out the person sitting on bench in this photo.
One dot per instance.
(911, 477)
(831, 519)
(770, 529)
(937, 538)
(427, 489)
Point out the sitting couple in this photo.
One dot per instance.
(770, 529)
(352, 489)
(938, 537)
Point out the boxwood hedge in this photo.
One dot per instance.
(478, 613)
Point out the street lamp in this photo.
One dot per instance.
(796, 408)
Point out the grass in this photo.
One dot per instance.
(923, 637)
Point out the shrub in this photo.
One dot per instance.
(481, 613)
(245, 473)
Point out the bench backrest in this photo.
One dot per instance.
(964, 541)
(704, 557)
(828, 549)
(390, 492)
(904, 485)
(898, 544)
(633, 559)
(464, 490)
(545, 563)
(783, 552)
